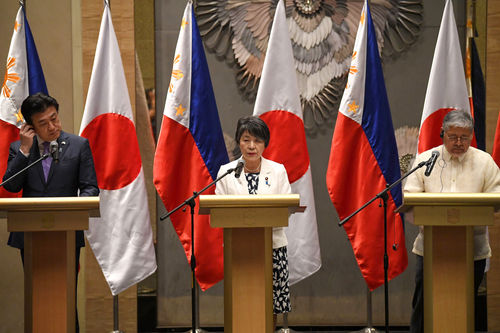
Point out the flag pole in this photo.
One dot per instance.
(369, 317)
(116, 311)
(116, 322)
(195, 323)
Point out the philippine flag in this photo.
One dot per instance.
(23, 77)
(191, 150)
(446, 89)
(278, 104)
(122, 238)
(363, 159)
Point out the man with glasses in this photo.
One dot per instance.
(459, 168)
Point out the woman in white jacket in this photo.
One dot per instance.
(261, 176)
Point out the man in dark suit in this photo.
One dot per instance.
(72, 175)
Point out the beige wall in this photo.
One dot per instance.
(145, 40)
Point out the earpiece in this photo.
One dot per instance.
(441, 134)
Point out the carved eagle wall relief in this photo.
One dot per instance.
(322, 34)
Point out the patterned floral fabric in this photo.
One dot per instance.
(253, 182)
(281, 289)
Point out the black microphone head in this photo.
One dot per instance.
(430, 163)
(54, 150)
(239, 168)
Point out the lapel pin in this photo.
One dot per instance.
(267, 182)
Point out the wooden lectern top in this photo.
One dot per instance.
(451, 199)
(248, 200)
(48, 213)
(90, 204)
(249, 211)
(452, 209)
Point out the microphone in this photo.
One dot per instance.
(54, 151)
(430, 163)
(239, 168)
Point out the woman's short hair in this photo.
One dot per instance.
(36, 103)
(255, 126)
(458, 118)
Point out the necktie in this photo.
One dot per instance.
(46, 162)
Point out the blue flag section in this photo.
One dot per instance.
(204, 123)
(36, 79)
(377, 121)
(478, 97)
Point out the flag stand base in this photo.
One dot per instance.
(368, 330)
(285, 328)
(369, 322)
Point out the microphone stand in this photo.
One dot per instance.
(192, 204)
(385, 196)
(44, 156)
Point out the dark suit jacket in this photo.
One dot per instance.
(74, 171)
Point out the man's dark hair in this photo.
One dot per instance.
(255, 126)
(36, 103)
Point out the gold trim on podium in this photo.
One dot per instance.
(49, 226)
(248, 221)
(448, 220)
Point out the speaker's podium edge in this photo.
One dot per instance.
(49, 225)
(248, 221)
(448, 220)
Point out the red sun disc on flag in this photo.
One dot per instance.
(288, 144)
(115, 150)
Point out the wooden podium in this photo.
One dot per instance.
(247, 221)
(448, 220)
(49, 256)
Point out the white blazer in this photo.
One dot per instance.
(273, 179)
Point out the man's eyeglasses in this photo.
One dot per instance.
(463, 138)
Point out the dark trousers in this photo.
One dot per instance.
(77, 267)
(417, 314)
